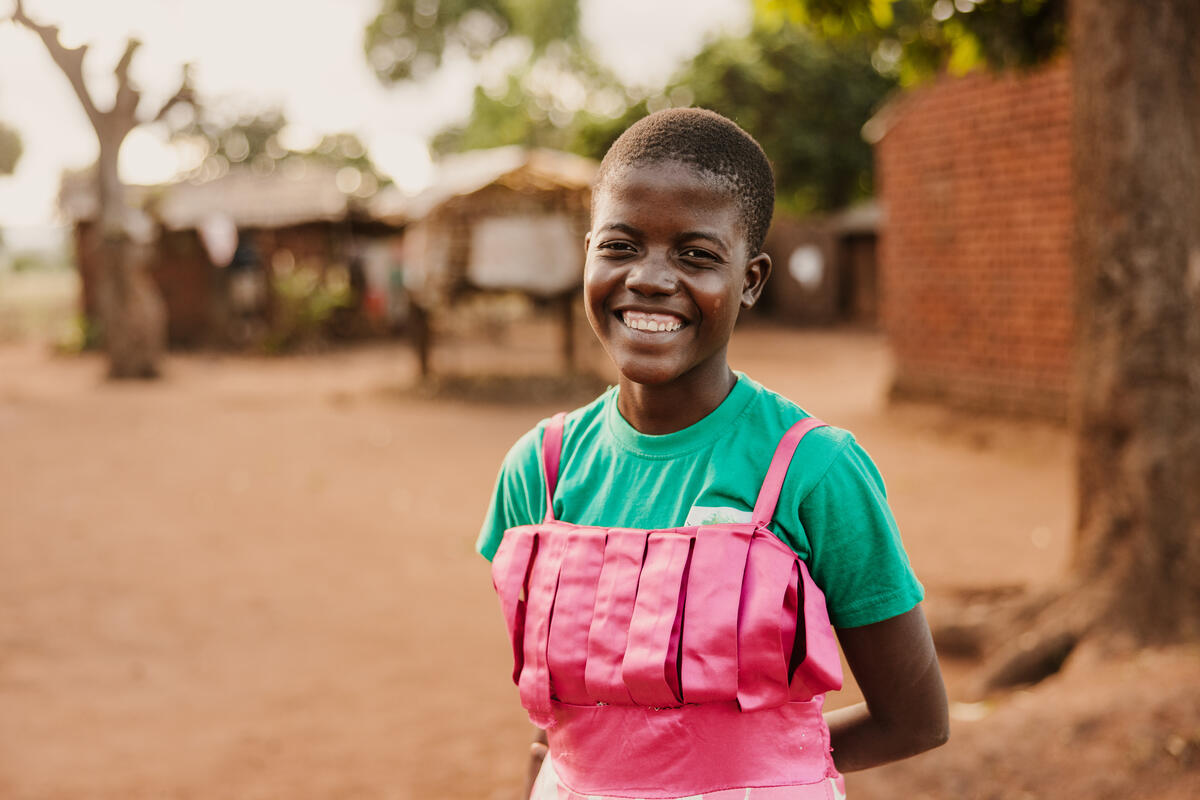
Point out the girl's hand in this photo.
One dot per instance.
(905, 709)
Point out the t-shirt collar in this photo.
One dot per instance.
(694, 437)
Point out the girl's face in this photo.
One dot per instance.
(667, 272)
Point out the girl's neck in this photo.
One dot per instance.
(657, 410)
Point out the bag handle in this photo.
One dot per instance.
(552, 439)
(768, 495)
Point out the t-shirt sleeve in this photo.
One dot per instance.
(857, 557)
(519, 494)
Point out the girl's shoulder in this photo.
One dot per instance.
(773, 415)
(525, 454)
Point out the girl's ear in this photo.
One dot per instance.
(758, 269)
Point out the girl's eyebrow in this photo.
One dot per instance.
(623, 227)
(711, 237)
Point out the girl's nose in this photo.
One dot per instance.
(651, 275)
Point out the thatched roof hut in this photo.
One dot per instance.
(510, 219)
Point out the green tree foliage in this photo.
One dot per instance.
(918, 38)
(542, 100)
(554, 101)
(827, 89)
(496, 121)
(10, 149)
(804, 100)
(410, 38)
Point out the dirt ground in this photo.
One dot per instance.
(255, 579)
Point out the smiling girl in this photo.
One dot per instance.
(675, 559)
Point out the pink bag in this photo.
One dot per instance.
(709, 622)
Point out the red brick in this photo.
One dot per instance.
(975, 270)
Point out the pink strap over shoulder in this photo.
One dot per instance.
(552, 439)
(768, 495)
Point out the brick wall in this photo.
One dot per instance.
(975, 177)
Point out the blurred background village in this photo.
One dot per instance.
(280, 283)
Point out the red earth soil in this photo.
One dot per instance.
(255, 579)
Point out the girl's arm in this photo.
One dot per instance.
(537, 754)
(904, 710)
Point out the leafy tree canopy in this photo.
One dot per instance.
(828, 89)
(410, 38)
(804, 100)
(559, 96)
(919, 38)
(551, 101)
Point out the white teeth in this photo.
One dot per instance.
(652, 323)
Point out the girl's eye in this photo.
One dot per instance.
(616, 247)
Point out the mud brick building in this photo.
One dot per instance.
(974, 174)
(825, 269)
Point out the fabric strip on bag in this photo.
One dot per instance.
(534, 683)
(762, 662)
(616, 594)
(649, 668)
(574, 607)
(708, 666)
(510, 571)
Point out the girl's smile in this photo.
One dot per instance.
(650, 321)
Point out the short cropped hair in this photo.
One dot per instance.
(715, 146)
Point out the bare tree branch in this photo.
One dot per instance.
(69, 60)
(185, 94)
(123, 115)
(122, 68)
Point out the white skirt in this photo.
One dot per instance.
(548, 787)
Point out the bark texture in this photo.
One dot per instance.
(1136, 75)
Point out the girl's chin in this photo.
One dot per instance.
(656, 376)
(648, 374)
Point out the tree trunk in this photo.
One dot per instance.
(1136, 75)
(132, 312)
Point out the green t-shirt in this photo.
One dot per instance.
(832, 510)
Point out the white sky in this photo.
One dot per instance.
(303, 56)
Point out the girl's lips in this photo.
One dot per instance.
(651, 322)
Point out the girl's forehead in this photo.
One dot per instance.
(664, 183)
(666, 199)
(663, 173)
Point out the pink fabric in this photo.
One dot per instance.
(534, 681)
(573, 609)
(671, 646)
(821, 669)
(709, 670)
(616, 595)
(510, 576)
(552, 457)
(636, 751)
(768, 495)
(762, 655)
(649, 668)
